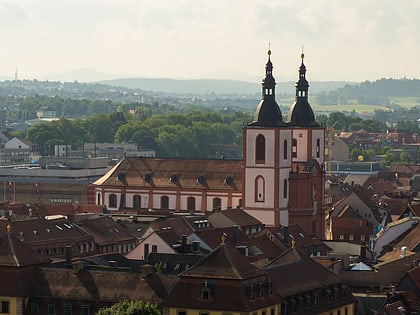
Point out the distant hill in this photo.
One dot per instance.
(208, 86)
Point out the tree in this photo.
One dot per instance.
(131, 308)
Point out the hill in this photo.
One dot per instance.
(209, 86)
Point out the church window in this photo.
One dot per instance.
(259, 189)
(164, 202)
(112, 200)
(260, 149)
(98, 199)
(285, 188)
(318, 148)
(136, 201)
(294, 147)
(190, 203)
(285, 150)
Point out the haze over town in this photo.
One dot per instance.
(343, 40)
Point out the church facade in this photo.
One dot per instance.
(280, 179)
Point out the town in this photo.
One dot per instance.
(284, 223)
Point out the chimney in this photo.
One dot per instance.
(235, 235)
(184, 244)
(403, 251)
(286, 235)
(69, 255)
(196, 246)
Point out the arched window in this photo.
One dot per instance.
(285, 188)
(112, 200)
(260, 149)
(294, 148)
(318, 148)
(285, 149)
(259, 189)
(136, 201)
(164, 202)
(217, 203)
(190, 203)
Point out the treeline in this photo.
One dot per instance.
(374, 93)
(194, 134)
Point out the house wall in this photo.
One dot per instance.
(392, 232)
(152, 240)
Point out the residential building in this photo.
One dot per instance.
(224, 281)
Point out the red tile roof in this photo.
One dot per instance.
(13, 253)
(156, 173)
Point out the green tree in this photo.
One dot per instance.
(131, 308)
(405, 158)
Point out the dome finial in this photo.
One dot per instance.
(269, 50)
(302, 55)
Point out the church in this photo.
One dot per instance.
(279, 180)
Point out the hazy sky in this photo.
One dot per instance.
(353, 40)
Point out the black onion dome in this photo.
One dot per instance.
(268, 112)
(301, 113)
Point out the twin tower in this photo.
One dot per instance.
(284, 160)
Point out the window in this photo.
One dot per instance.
(68, 310)
(318, 148)
(164, 202)
(4, 307)
(34, 308)
(217, 203)
(86, 310)
(136, 202)
(285, 150)
(146, 250)
(205, 292)
(285, 188)
(190, 203)
(51, 309)
(260, 149)
(181, 312)
(351, 237)
(113, 200)
(294, 148)
(341, 237)
(98, 199)
(154, 248)
(259, 189)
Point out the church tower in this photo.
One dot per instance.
(306, 201)
(267, 158)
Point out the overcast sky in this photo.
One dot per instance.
(353, 40)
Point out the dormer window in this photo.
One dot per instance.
(205, 292)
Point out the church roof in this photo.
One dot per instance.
(301, 113)
(268, 112)
(175, 173)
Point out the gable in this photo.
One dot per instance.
(15, 143)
